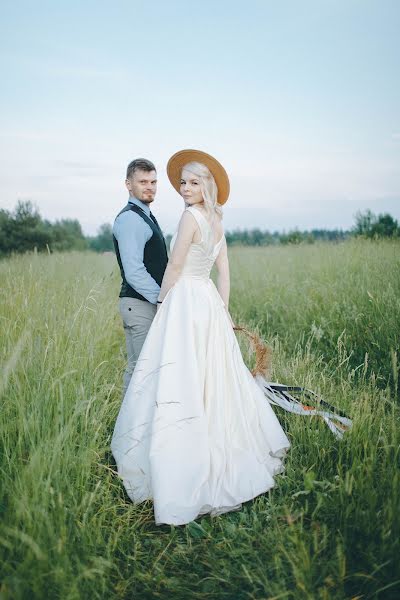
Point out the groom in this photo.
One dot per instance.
(142, 257)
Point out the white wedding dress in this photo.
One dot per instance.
(195, 433)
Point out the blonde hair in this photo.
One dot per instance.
(207, 185)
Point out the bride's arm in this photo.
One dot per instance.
(186, 231)
(223, 278)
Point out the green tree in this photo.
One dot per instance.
(24, 230)
(293, 237)
(67, 234)
(385, 226)
(5, 218)
(364, 222)
(371, 226)
(103, 242)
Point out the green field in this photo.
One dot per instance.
(329, 530)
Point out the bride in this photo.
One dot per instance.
(195, 433)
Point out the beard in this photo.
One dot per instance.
(147, 199)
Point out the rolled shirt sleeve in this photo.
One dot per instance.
(132, 234)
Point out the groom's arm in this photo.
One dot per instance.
(132, 234)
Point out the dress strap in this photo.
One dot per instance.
(201, 222)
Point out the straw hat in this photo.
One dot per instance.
(181, 158)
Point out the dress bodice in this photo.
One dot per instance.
(202, 255)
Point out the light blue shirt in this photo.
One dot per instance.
(132, 233)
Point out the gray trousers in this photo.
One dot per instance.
(137, 316)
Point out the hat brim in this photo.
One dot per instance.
(183, 157)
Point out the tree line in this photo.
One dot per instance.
(24, 230)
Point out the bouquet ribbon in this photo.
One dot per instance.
(294, 399)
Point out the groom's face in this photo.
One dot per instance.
(142, 185)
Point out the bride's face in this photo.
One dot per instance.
(190, 188)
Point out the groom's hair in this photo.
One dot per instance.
(141, 164)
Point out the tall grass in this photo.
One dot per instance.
(330, 529)
(332, 297)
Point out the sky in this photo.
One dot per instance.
(298, 99)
